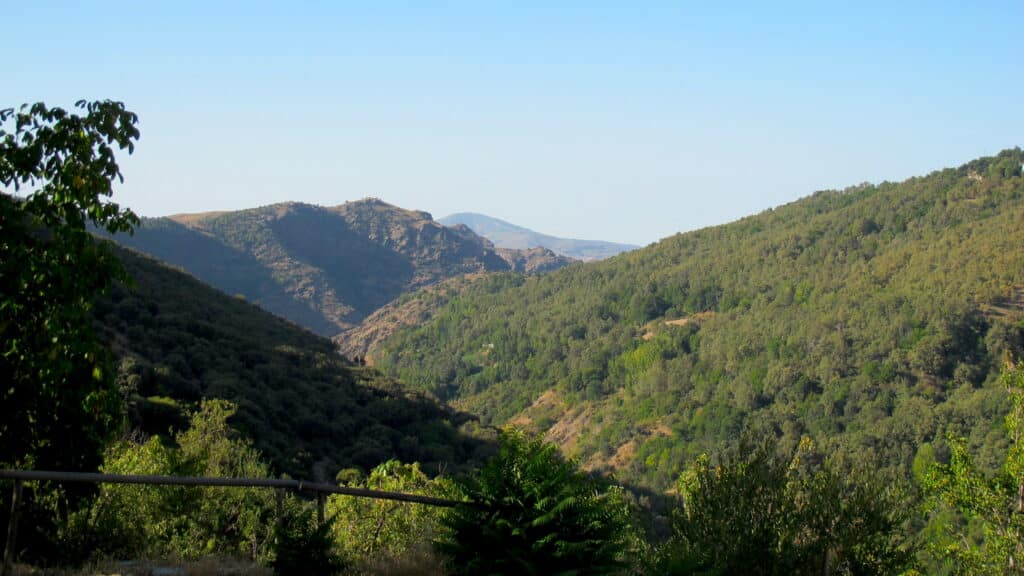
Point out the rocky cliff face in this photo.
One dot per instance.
(534, 260)
(435, 250)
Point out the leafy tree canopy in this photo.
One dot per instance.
(57, 403)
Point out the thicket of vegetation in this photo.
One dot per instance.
(754, 512)
(750, 510)
(872, 320)
(975, 523)
(178, 521)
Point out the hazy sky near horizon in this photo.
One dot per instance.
(621, 121)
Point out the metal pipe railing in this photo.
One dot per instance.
(319, 489)
(297, 485)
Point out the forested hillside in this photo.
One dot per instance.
(308, 410)
(325, 268)
(872, 319)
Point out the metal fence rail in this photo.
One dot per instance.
(297, 485)
(321, 491)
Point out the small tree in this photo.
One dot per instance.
(386, 532)
(734, 518)
(758, 514)
(996, 503)
(536, 514)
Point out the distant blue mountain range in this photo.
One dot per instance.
(506, 235)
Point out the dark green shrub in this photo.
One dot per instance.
(303, 547)
(537, 514)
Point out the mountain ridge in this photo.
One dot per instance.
(325, 268)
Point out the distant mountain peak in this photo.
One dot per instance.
(507, 235)
(374, 203)
(466, 217)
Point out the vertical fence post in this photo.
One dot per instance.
(279, 496)
(321, 500)
(12, 529)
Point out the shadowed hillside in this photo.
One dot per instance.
(309, 411)
(872, 319)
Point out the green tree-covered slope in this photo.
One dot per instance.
(308, 410)
(410, 309)
(872, 319)
(325, 268)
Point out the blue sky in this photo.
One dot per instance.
(623, 121)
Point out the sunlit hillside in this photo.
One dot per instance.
(872, 319)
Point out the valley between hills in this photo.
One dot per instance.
(873, 320)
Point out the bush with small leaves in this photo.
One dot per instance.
(755, 513)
